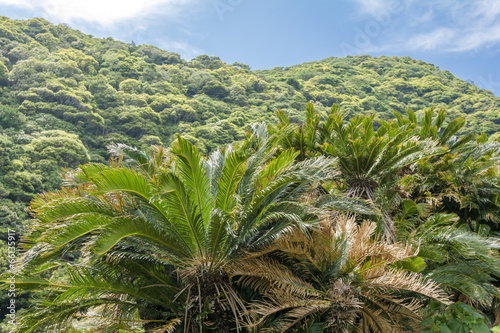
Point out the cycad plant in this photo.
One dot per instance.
(341, 280)
(466, 264)
(463, 179)
(158, 234)
(370, 154)
(435, 127)
(452, 210)
(461, 261)
(305, 138)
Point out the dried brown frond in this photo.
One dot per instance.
(345, 225)
(169, 327)
(410, 305)
(299, 308)
(398, 311)
(373, 322)
(363, 290)
(403, 280)
(469, 301)
(265, 274)
(304, 311)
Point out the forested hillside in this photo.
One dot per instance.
(65, 96)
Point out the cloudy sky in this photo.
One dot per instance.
(458, 35)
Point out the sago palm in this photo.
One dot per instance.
(460, 259)
(304, 138)
(340, 280)
(158, 233)
(464, 263)
(454, 208)
(370, 155)
(464, 181)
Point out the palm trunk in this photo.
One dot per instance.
(366, 190)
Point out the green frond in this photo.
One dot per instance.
(214, 165)
(227, 183)
(181, 212)
(345, 204)
(191, 168)
(142, 229)
(67, 207)
(467, 279)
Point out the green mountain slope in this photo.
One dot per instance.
(65, 96)
(364, 84)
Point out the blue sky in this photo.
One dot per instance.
(460, 36)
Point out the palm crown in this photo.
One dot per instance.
(368, 154)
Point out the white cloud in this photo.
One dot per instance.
(432, 40)
(123, 19)
(477, 38)
(372, 6)
(103, 12)
(438, 25)
(462, 26)
(486, 10)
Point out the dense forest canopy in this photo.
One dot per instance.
(66, 96)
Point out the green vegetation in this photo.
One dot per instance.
(102, 91)
(67, 99)
(459, 317)
(318, 227)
